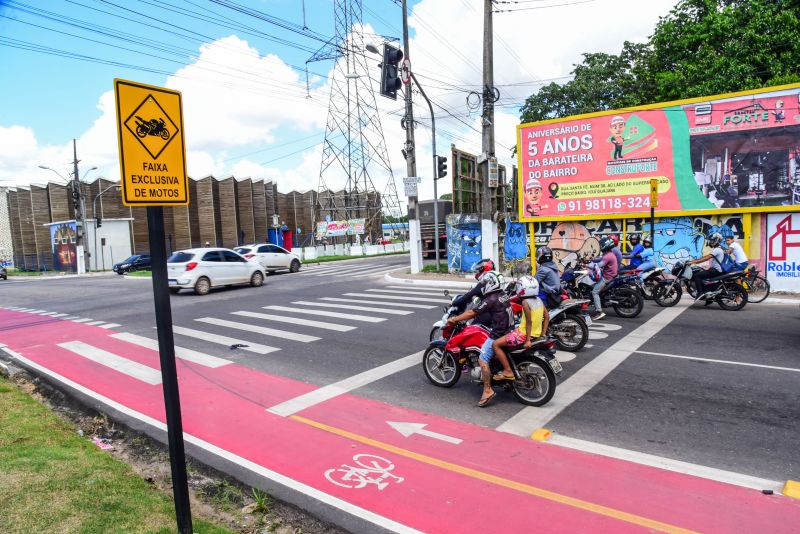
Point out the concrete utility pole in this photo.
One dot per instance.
(488, 225)
(80, 210)
(415, 237)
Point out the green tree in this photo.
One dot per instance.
(446, 196)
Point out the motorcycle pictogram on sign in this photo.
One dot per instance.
(151, 126)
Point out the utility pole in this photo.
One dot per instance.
(488, 225)
(80, 207)
(415, 240)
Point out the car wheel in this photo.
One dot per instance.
(202, 286)
(295, 266)
(257, 279)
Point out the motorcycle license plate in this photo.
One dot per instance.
(555, 365)
(172, 282)
(587, 319)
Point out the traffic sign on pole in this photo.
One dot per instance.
(152, 151)
(653, 192)
(405, 71)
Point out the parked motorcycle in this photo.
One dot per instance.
(626, 302)
(725, 289)
(457, 353)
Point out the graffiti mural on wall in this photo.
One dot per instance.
(516, 251)
(676, 238)
(463, 241)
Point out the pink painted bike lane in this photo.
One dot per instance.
(345, 448)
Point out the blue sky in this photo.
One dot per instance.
(246, 107)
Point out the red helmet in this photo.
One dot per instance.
(615, 238)
(482, 267)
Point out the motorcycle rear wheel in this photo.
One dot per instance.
(535, 384)
(630, 303)
(734, 298)
(649, 287)
(668, 293)
(440, 367)
(570, 331)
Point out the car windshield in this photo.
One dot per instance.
(131, 259)
(180, 257)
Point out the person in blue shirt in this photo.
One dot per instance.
(635, 254)
(647, 257)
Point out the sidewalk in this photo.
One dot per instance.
(404, 276)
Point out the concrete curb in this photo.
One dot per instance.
(430, 283)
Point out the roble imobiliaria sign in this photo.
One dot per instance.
(783, 252)
(729, 152)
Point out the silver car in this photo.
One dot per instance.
(203, 268)
(271, 257)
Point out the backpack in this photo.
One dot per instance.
(727, 264)
(595, 272)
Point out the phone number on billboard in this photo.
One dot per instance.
(597, 204)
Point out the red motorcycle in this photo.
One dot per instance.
(457, 352)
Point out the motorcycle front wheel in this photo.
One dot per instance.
(436, 333)
(668, 293)
(629, 303)
(733, 299)
(440, 367)
(164, 135)
(649, 287)
(535, 384)
(570, 331)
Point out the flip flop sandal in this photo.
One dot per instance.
(485, 401)
(500, 376)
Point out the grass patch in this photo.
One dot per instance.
(431, 268)
(146, 274)
(53, 480)
(14, 272)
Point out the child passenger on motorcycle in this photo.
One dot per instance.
(548, 277)
(535, 320)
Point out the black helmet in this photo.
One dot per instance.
(633, 239)
(543, 255)
(606, 244)
(714, 239)
(647, 241)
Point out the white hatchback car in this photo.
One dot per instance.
(203, 268)
(271, 257)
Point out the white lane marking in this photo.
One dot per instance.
(759, 365)
(38, 311)
(606, 326)
(294, 320)
(325, 393)
(283, 334)
(253, 467)
(530, 418)
(62, 315)
(118, 363)
(409, 429)
(410, 292)
(81, 320)
(48, 313)
(182, 353)
(393, 297)
(317, 313)
(564, 356)
(597, 335)
(71, 318)
(340, 270)
(436, 290)
(350, 272)
(381, 302)
(96, 323)
(702, 471)
(348, 307)
(108, 326)
(224, 340)
(373, 272)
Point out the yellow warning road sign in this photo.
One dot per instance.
(653, 192)
(152, 152)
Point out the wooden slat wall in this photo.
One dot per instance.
(89, 192)
(227, 209)
(16, 228)
(244, 204)
(182, 237)
(111, 201)
(194, 217)
(30, 260)
(206, 211)
(41, 217)
(271, 193)
(141, 243)
(259, 211)
(59, 202)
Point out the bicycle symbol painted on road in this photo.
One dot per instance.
(365, 471)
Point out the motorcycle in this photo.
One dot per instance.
(648, 283)
(155, 127)
(456, 307)
(457, 353)
(569, 322)
(725, 289)
(626, 302)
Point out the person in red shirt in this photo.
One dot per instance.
(610, 266)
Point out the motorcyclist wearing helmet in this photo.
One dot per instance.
(617, 252)
(480, 269)
(495, 303)
(610, 266)
(635, 255)
(547, 276)
(535, 321)
(647, 255)
(716, 256)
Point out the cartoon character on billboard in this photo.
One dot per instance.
(617, 128)
(677, 239)
(572, 242)
(533, 196)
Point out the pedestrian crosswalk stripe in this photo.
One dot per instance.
(437, 290)
(326, 314)
(81, 320)
(118, 363)
(224, 340)
(109, 325)
(96, 323)
(283, 334)
(380, 302)
(48, 313)
(393, 297)
(38, 311)
(296, 321)
(63, 315)
(357, 308)
(376, 273)
(180, 352)
(368, 271)
(360, 268)
(401, 292)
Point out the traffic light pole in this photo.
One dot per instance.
(435, 172)
(80, 215)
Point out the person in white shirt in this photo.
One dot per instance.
(716, 256)
(736, 250)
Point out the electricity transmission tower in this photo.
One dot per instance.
(354, 149)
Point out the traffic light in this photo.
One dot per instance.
(76, 201)
(390, 71)
(441, 166)
(99, 222)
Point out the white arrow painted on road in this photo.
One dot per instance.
(407, 429)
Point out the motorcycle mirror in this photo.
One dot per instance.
(446, 292)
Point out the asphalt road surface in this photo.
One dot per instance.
(703, 386)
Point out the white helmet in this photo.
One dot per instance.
(527, 287)
(492, 281)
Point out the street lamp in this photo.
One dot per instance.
(55, 171)
(94, 212)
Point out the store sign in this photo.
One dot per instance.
(783, 252)
(738, 153)
(339, 228)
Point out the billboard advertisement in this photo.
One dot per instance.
(63, 237)
(783, 252)
(724, 154)
(339, 228)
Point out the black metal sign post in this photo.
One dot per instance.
(169, 374)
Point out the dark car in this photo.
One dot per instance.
(3, 273)
(137, 262)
